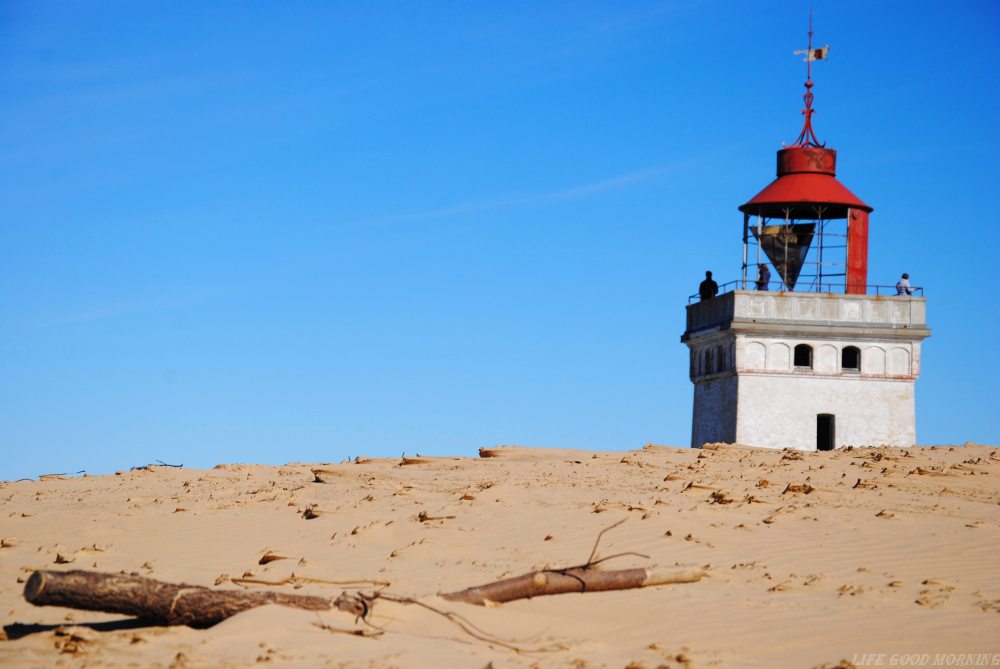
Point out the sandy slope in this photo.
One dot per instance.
(891, 551)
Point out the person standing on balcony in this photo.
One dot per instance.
(903, 286)
(708, 288)
(763, 276)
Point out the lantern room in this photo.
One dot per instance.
(805, 207)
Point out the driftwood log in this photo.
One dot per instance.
(196, 606)
(573, 579)
(155, 601)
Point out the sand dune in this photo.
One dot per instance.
(813, 559)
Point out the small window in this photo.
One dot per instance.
(720, 359)
(850, 359)
(709, 363)
(804, 356)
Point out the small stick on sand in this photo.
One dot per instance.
(582, 578)
(296, 580)
(573, 579)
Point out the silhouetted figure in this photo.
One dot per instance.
(763, 276)
(903, 286)
(708, 288)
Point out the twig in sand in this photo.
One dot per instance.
(468, 626)
(42, 477)
(269, 557)
(260, 581)
(374, 632)
(343, 581)
(571, 579)
(425, 517)
(597, 542)
(581, 578)
(354, 632)
(158, 463)
(296, 580)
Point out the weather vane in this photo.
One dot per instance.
(807, 137)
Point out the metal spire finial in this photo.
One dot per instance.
(807, 138)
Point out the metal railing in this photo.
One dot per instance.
(836, 288)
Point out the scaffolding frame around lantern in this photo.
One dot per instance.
(786, 241)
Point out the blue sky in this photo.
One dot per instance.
(273, 232)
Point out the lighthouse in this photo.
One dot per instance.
(802, 350)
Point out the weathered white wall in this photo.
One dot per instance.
(748, 389)
(780, 411)
(758, 397)
(715, 411)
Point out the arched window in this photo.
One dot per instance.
(850, 359)
(709, 364)
(804, 356)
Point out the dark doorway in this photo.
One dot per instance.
(826, 431)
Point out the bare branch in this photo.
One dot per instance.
(597, 542)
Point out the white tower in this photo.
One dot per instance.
(813, 369)
(808, 370)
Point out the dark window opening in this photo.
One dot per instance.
(826, 431)
(850, 358)
(804, 356)
(720, 359)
